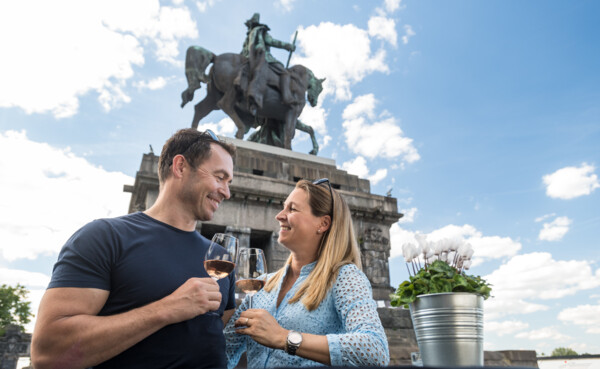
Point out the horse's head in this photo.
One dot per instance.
(315, 87)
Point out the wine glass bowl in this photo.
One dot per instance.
(220, 258)
(251, 271)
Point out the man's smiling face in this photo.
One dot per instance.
(208, 185)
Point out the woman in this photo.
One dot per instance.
(318, 309)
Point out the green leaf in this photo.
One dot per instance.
(437, 278)
(14, 309)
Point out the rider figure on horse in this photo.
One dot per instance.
(257, 49)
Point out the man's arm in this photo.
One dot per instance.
(69, 334)
(270, 41)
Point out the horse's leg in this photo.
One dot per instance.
(204, 107)
(308, 129)
(289, 127)
(227, 104)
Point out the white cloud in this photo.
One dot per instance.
(361, 106)
(225, 127)
(287, 5)
(398, 237)
(499, 306)
(409, 215)
(392, 5)
(378, 176)
(342, 54)
(204, 5)
(52, 194)
(13, 277)
(315, 117)
(383, 28)
(546, 333)
(326, 140)
(527, 276)
(570, 182)
(544, 217)
(366, 138)
(408, 33)
(555, 230)
(505, 327)
(93, 47)
(587, 316)
(358, 167)
(112, 96)
(153, 84)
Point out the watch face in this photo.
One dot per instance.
(295, 338)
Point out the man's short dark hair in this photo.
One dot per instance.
(193, 145)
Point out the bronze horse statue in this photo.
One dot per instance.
(277, 121)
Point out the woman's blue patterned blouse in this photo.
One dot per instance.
(347, 316)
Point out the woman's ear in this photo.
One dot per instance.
(325, 223)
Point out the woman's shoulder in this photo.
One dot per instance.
(350, 268)
(351, 273)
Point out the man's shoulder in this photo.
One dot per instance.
(119, 222)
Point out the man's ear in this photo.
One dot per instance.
(178, 166)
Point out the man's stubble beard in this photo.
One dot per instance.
(191, 200)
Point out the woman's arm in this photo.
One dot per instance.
(364, 342)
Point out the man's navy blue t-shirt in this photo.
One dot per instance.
(141, 260)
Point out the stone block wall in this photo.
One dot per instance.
(13, 345)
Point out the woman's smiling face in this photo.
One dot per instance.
(297, 223)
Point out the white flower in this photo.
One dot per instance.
(454, 243)
(407, 251)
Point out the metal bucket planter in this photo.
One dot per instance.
(449, 328)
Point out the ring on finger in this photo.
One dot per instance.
(246, 323)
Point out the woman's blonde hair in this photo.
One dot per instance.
(338, 246)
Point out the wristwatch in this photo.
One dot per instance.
(294, 340)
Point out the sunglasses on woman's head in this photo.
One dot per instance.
(326, 180)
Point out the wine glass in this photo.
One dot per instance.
(219, 260)
(220, 257)
(251, 272)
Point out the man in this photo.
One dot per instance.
(131, 292)
(257, 48)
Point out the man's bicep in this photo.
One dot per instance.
(69, 301)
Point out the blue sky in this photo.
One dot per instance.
(483, 118)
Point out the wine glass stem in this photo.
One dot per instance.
(250, 295)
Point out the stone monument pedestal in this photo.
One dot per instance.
(263, 178)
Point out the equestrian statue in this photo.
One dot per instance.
(254, 88)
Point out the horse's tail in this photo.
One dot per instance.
(197, 59)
